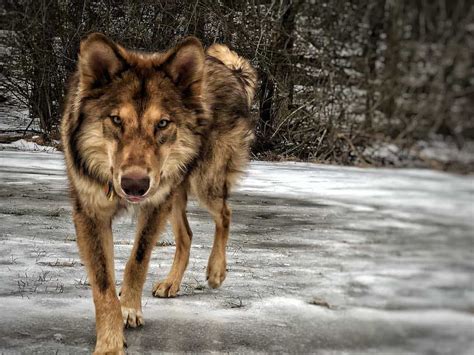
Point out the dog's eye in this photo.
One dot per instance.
(163, 124)
(116, 120)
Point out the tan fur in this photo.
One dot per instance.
(235, 62)
(112, 131)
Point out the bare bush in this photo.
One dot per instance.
(336, 76)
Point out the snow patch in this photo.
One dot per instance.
(25, 145)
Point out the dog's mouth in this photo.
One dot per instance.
(131, 192)
(135, 199)
(135, 196)
(111, 191)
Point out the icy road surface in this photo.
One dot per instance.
(321, 259)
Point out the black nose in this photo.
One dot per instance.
(135, 184)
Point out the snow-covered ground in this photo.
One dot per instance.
(322, 259)
(22, 144)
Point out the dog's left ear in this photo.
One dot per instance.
(185, 64)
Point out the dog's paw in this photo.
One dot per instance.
(104, 347)
(216, 272)
(110, 352)
(166, 289)
(132, 317)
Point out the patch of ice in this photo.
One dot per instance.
(387, 152)
(24, 145)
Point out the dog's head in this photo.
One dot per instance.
(142, 113)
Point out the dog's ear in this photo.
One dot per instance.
(185, 63)
(100, 59)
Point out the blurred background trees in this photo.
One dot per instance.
(340, 81)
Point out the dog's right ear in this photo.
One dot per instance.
(100, 59)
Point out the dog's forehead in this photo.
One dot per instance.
(132, 111)
(145, 93)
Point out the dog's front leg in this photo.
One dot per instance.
(151, 222)
(182, 235)
(94, 238)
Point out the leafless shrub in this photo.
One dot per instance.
(336, 76)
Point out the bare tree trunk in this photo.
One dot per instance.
(283, 60)
(277, 86)
(392, 58)
(267, 90)
(376, 17)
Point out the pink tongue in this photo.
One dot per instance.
(134, 199)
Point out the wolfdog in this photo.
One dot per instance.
(147, 129)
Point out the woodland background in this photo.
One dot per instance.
(372, 82)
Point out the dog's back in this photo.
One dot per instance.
(246, 77)
(230, 87)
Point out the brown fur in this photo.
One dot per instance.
(110, 132)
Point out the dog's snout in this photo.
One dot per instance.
(135, 184)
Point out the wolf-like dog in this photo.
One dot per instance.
(148, 129)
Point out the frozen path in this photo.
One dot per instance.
(321, 259)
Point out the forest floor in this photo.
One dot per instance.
(321, 259)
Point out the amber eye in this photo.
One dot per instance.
(116, 120)
(163, 124)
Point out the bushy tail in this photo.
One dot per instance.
(238, 65)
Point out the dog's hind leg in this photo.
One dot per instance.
(183, 235)
(216, 267)
(151, 223)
